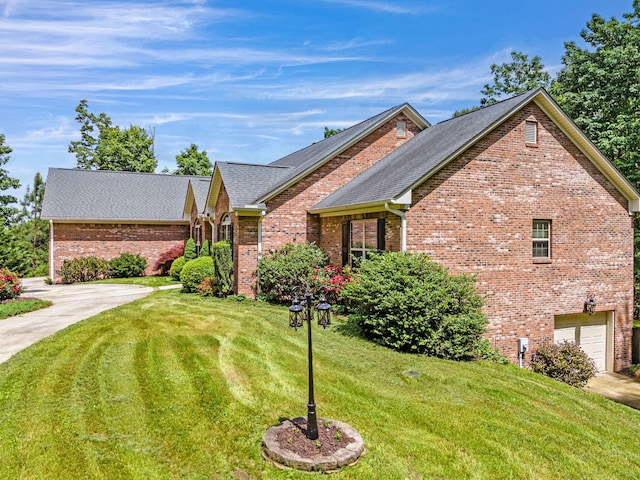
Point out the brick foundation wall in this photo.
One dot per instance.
(476, 215)
(73, 240)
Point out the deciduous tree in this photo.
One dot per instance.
(106, 147)
(599, 87)
(517, 76)
(191, 161)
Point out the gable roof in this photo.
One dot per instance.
(244, 182)
(250, 186)
(308, 159)
(107, 196)
(391, 180)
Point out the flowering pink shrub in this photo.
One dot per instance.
(10, 286)
(329, 281)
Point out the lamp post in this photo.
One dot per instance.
(298, 313)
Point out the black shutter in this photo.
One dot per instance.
(381, 233)
(345, 242)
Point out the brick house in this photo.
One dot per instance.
(514, 193)
(102, 213)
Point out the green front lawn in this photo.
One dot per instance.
(19, 306)
(179, 386)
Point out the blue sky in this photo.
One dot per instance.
(252, 81)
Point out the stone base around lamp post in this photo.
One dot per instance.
(338, 445)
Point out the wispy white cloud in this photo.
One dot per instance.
(411, 8)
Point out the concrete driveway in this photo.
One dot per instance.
(616, 387)
(71, 303)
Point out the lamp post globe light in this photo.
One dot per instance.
(298, 313)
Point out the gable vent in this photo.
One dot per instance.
(531, 132)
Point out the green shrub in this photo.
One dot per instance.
(83, 269)
(190, 251)
(565, 362)
(205, 250)
(208, 287)
(223, 266)
(176, 267)
(127, 266)
(10, 286)
(289, 267)
(412, 304)
(194, 272)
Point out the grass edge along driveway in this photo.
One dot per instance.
(179, 386)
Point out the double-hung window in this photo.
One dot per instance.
(541, 239)
(360, 238)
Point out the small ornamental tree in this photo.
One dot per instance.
(164, 261)
(10, 286)
(565, 362)
(205, 250)
(412, 304)
(190, 251)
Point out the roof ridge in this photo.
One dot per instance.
(253, 164)
(484, 107)
(344, 132)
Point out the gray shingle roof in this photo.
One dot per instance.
(246, 182)
(102, 195)
(420, 157)
(309, 158)
(200, 186)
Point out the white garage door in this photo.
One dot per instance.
(587, 331)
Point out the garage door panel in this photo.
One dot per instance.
(587, 331)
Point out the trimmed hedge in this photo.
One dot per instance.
(194, 272)
(176, 267)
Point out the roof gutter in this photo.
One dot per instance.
(403, 225)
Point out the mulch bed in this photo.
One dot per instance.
(330, 439)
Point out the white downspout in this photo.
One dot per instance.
(52, 269)
(259, 252)
(403, 226)
(213, 230)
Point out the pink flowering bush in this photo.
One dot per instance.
(10, 286)
(329, 281)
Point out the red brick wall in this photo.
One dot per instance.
(287, 220)
(72, 240)
(476, 216)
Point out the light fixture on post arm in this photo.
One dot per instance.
(297, 315)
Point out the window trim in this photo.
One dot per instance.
(347, 237)
(541, 240)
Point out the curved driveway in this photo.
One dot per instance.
(71, 303)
